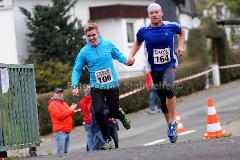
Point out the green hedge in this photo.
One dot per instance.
(136, 101)
(50, 74)
(231, 74)
(191, 86)
(219, 52)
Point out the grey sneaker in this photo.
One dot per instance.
(108, 145)
(125, 122)
(151, 112)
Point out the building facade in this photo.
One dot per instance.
(118, 20)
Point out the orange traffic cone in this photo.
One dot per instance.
(214, 129)
(180, 127)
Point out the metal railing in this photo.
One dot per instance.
(18, 107)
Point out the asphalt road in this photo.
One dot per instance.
(151, 128)
(148, 132)
(215, 149)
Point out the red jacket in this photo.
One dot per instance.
(61, 116)
(85, 105)
(148, 80)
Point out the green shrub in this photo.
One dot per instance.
(55, 38)
(197, 59)
(197, 47)
(45, 124)
(190, 67)
(54, 34)
(231, 74)
(136, 101)
(220, 52)
(50, 74)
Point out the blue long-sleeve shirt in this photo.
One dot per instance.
(99, 60)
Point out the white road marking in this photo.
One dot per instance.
(154, 142)
(162, 140)
(186, 132)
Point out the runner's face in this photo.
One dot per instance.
(92, 37)
(155, 16)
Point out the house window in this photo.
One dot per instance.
(130, 32)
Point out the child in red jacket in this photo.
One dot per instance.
(62, 119)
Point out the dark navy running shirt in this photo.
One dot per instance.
(159, 45)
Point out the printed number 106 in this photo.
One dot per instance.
(104, 79)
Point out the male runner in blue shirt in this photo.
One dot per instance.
(98, 55)
(158, 37)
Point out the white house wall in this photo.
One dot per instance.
(115, 30)
(109, 29)
(112, 29)
(81, 10)
(8, 52)
(186, 22)
(140, 60)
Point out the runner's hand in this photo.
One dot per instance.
(130, 61)
(179, 51)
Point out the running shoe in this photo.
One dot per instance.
(108, 145)
(172, 133)
(125, 122)
(151, 112)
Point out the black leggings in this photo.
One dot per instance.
(163, 83)
(112, 99)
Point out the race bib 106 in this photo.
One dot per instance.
(161, 56)
(104, 76)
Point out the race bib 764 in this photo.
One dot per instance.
(161, 56)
